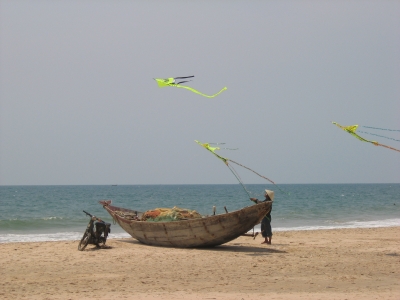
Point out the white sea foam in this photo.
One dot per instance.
(351, 224)
(49, 237)
(75, 236)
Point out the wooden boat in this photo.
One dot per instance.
(202, 232)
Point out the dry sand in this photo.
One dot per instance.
(323, 264)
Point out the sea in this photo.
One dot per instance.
(55, 213)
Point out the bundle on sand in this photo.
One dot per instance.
(169, 214)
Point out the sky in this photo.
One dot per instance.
(79, 106)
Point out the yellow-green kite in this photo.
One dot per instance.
(227, 160)
(352, 130)
(171, 82)
(212, 150)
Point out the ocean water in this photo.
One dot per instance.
(51, 213)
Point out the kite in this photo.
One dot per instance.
(171, 82)
(212, 150)
(352, 130)
(227, 160)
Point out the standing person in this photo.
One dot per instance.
(266, 229)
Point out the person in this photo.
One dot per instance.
(266, 229)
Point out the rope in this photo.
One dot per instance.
(252, 171)
(238, 178)
(380, 136)
(259, 175)
(381, 128)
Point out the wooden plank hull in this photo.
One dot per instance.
(203, 232)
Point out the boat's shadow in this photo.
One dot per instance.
(251, 250)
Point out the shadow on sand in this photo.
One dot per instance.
(98, 248)
(251, 250)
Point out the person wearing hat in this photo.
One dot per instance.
(266, 229)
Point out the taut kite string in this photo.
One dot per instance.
(227, 160)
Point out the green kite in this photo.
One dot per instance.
(227, 160)
(171, 82)
(352, 130)
(212, 150)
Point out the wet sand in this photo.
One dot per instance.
(322, 264)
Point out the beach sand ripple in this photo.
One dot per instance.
(323, 264)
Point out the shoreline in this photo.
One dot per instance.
(54, 236)
(309, 264)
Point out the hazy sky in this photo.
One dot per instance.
(79, 104)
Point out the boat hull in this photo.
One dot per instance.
(203, 232)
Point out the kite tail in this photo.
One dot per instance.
(200, 93)
(361, 138)
(388, 147)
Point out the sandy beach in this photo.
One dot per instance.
(323, 264)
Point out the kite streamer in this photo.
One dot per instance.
(227, 160)
(171, 82)
(352, 130)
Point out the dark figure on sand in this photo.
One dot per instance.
(266, 229)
